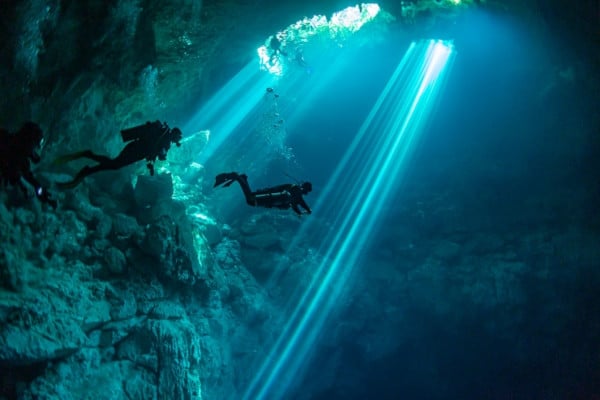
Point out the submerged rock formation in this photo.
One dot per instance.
(140, 287)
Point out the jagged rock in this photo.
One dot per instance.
(174, 260)
(85, 376)
(100, 246)
(79, 202)
(103, 226)
(115, 260)
(13, 269)
(24, 216)
(137, 348)
(167, 310)
(172, 351)
(147, 295)
(113, 332)
(95, 313)
(178, 348)
(37, 331)
(227, 253)
(64, 236)
(211, 232)
(124, 226)
(123, 303)
(251, 308)
(151, 190)
(158, 240)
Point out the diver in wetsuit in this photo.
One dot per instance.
(17, 152)
(149, 141)
(282, 196)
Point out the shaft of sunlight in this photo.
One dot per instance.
(374, 161)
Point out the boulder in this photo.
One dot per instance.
(151, 190)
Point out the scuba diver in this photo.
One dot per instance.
(149, 141)
(300, 58)
(282, 196)
(275, 46)
(17, 152)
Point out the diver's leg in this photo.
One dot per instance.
(248, 194)
(81, 154)
(96, 157)
(85, 171)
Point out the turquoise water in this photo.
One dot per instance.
(476, 278)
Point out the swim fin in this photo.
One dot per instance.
(225, 179)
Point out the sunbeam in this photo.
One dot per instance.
(374, 161)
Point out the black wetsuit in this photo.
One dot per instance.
(282, 196)
(154, 145)
(17, 153)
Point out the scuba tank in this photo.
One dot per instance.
(143, 132)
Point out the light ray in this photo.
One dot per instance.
(226, 110)
(354, 198)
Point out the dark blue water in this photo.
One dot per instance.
(509, 150)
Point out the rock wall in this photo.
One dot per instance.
(94, 305)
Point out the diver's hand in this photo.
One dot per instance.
(43, 195)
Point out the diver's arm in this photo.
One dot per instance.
(40, 192)
(28, 176)
(304, 205)
(275, 189)
(296, 209)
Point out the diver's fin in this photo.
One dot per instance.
(220, 179)
(225, 179)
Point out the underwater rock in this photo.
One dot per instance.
(178, 349)
(113, 332)
(84, 376)
(172, 352)
(13, 269)
(37, 330)
(167, 310)
(103, 226)
(79, 202)
(115, 260)
(262, 264)
(146, 294)
(174, 260)
(124, 226)
(123, 303)
(212, 233)
(227, 253)
(151, 190)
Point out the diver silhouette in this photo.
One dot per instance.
(17, 152)
(149, 141)
(283, 196)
